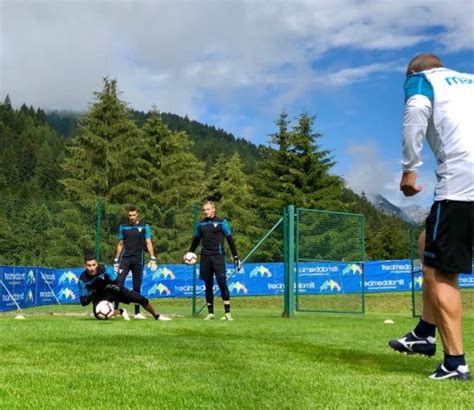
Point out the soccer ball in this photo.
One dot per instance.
(190, 258)
(103, 310)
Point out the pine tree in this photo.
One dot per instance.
(273, 184)
(178, 182)
(106, 158)
(229, 187)
(315, 187)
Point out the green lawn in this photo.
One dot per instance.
(257, 361)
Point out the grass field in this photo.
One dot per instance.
(258, 361)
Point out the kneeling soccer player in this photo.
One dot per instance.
(95, 285)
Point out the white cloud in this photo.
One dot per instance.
(370, 173)
(171, 53)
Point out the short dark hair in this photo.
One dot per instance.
(423, 62)
(89, 257)
(132, 208)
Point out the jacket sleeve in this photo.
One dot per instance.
(230, 239)
(84, 294)
(196, 240)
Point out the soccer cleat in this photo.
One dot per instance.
(124, 315)
(210, 316)
(163, 318)
(410, 343)
(140, 316)
(461, 373)
(227, 316)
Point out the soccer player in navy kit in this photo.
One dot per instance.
(96, 284)
(211, 232)
(134, 237)
(439, 107)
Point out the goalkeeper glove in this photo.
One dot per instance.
(152, 264)
(112, 288)
(237, 263)
(116, 265)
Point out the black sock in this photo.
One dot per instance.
(121, 312)
(227, 308)
(157, 316)
(452, 362)
(424, 329)
(210, 308)
(137, 309)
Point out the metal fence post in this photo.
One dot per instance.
(289, 245)
(195, 223)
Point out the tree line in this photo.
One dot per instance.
(59, 192)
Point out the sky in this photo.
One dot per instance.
(238, 64)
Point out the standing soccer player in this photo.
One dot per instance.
(134, 237)
(439, 106)
(211, 232)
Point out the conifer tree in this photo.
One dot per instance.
(229, 187)
(106, 158)
(178, 182)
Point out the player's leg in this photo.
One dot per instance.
(221, 277)
(130, 296)
(422, 339)
(137, 278)
(453, 254)
(124, 269)
(206, 274)
(428, 315)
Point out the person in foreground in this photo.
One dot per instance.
(96, 284)
(211, 232)
(439, 107)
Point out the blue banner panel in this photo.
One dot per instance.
(46, 283)
(35, 286)
(66, 288)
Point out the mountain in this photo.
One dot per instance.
(413, 214)
(416, 213)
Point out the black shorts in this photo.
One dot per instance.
(210, 265)
(125, 295)
(449, 236)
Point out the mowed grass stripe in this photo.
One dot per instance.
(313, 360)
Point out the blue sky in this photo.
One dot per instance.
(237, 64)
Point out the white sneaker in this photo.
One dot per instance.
(227, 316)
(210, 316)
(124, 315)
(140, 316)
(164, 318)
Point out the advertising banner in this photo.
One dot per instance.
(35, 286)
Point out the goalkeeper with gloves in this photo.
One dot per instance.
(211, 232)
(96, 284)
(133, 238)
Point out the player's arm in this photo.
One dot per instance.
(113, 286)
(230, 240)
(149, 247)
(85, 296)
(119, 249)
(418, 111)
(196, 239)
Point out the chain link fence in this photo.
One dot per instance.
(330, 255)
(258, 288)
(58, 234)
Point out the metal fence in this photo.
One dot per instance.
(338, 239)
